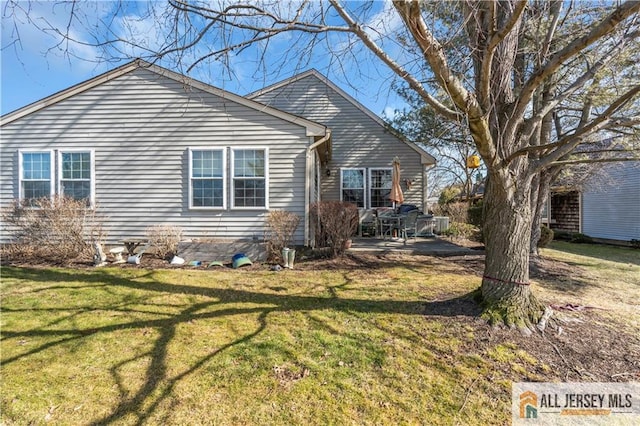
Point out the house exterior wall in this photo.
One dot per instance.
(612, 211)
(358, 141)
(140, 126)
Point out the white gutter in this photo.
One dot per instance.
(307, 186)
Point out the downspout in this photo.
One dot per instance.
(425, 187)
(307, 187)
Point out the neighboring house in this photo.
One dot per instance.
(147, 146)
(362, 146)
(606, 208)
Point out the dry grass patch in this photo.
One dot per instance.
(596, 277)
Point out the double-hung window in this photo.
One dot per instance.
(36, 174)
(373, 192)
(352, 188)
(380, 187)
(249, 178)
(75, 170)
(207, 178)
(75, 174)
(244, 176)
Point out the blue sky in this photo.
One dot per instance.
(34, 65)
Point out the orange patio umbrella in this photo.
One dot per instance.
(396, 192)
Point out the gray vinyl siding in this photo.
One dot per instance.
(140, 126)
(358, 141)
(611, 203)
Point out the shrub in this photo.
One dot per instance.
(579, 238)
(559, 235)
(281, 226)
(58, 229)
(334, 223)
(474, 215)
(461, 230)
(164, 239)
(457, 212)
(448, 195)
(546, 236)
(572, 237)
(635, 243)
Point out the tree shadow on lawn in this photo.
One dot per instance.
(551, 274)
(157, 385)
(560, 276)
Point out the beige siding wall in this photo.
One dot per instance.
(140, 127)
(358, 141)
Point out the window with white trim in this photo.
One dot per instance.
(76, 174)
(249, 178)
(380, 187)
(352, 188)
(35, 174)
(207, 178)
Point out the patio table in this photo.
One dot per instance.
(389, 222)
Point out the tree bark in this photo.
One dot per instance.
(506, 291)
(537, 203)
(538, 200)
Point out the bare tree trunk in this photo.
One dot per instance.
(537, 203)
(538, 200)
(544, 183)
(506, 293)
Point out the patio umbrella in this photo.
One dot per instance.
(396, 192)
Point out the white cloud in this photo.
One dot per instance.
(384, 23)
(141, 31)
(46, 29)
(389, 112)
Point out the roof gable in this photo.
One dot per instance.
(426, 157)
(312, 128)
(324, 80)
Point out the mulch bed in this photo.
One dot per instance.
(586, 350)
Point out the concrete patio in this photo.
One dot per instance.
(223, 250)
(432, 246)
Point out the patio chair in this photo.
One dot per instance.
(410, 225)
(406, 208)
(368, 223)
(388, 223)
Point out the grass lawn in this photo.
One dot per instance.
(389, 340)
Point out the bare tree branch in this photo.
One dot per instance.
(594, 161)
(489, 52)
(550, 105)
(598, 31)
(462, 98)
(555, 8)
(567, 143)
(395, 67)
